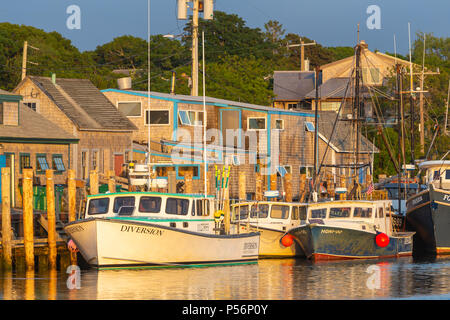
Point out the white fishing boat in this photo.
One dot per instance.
(272, 220)
(351, 229)
(137, 229)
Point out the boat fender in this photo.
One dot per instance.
(382, 239)
(287, 240)
(72, 246)
(219, 215)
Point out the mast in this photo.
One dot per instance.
(399, 129)
(316, 131)
(356, 107)
(411, 96)
(204, 116)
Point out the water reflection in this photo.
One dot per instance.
(278, 279)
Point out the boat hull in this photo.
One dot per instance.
(324, 242)
(270, 245)
(106, 243)
(428, 214)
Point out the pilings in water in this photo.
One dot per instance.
(6, 219)
(51, 219)
(28, 230)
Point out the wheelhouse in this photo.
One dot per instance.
(269, 212)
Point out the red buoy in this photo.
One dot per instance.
(382, 240)
(287, 240)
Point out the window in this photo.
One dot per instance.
(163, 171)
(380, 213)
(150, 204)
(319, 213)
(279, 212)
(157, 117)
(308, 170)
(256, 124)
(190, 118)
(340, 212)
(98, 206)
(292, 106)
(362, 212)
(279, 124)
(41, 163)
(447, 174)
(124, 206)
(24, 160)
(309, 126)
(95, 160)
(58, 164)
(202, 207)
(260, 211)
(183, 169)
(31, 105)
(294, 213)
(177, 206)
(303, 213)
(243, 212)
(130, 109)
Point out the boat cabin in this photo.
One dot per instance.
(356, 214)
(266, 214)
(191, 212)
(437, 172)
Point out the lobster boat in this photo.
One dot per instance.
(351, 229)
(149, 229)
(428, 212)
(272, 220)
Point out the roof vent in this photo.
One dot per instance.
(124, 83)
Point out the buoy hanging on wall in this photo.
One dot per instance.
(382, 240)
(287, 240)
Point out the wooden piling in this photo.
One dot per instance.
(93, 182)
(273, 182)
(188, 182)
(111, 181)
(172, 182)
(6, 219)
(288, 187)
(258, 187)
(28, 234)
(242, 187)
(72, 190)
(51, 218)
(302, 187)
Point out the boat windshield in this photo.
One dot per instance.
(124, 205)
(362, 213)
(177, 206)
(259, 211)
(340, 212)
(98, 206)
(242, 212)
(319, 213)
(279, 212)
(150, 204)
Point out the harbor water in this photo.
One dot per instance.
(269, 279)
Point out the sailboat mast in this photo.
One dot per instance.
(316, 132)
(204, 116)
(356, 107)
(399, 129)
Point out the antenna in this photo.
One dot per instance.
(148, 94)
(204, 116)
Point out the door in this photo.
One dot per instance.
(118, 162)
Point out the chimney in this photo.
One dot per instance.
(54, 78)
(124, 83)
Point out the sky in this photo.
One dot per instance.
(329, 22)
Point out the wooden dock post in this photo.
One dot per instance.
(288, 187)
(258, 187)
(51, 218)
(6, 219)
(172, 182)
(242, 187)
(302, 187)
(93, 182)
(273, 182)
(28, 234)
(72, 203)
(111, 181)
(188, 182)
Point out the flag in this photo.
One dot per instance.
(370, 188)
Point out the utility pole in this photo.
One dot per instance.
(302, 45)
(194, 89)
(25, 58)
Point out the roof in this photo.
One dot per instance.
(33, 126)
(210, 100)
(292, 85)
(342, 139)
(335, 88)
(84, 104)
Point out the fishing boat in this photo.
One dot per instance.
(139, 229)
(428, 212)
(272, 220)
(351, 229)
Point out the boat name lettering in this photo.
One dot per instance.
(250, 245)
(156, 232)
(331, 231)
(417, 200)
(446, 197)
(75, 229)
